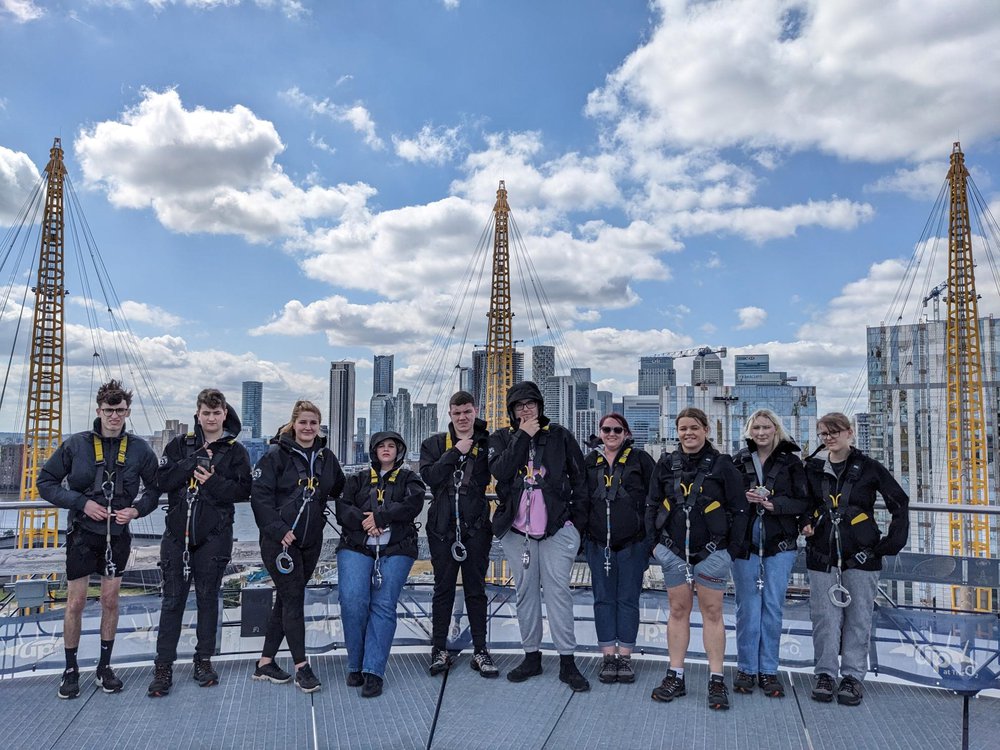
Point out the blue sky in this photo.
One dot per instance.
(275, 184)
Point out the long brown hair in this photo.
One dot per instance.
(300, 406)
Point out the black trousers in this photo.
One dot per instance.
(473, 582)
(208, 564)
(287, 619)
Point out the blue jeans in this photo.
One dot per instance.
(616, 594)
(369, 613)
(758, 613)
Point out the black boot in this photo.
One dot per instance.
(569, 674)
(530, 667)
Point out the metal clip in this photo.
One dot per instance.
(377, 572)
(840, 597)
(607, 561)
(458, 550)
(284, 561)
(110, 569)
(711, 547)
(525, 556)
(861, 556)
(688, 574)
(186, 558)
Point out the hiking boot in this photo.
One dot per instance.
(823, 690)
(771, 685)
(307, 681)
(482, 662)
(272, 672)
(373, 687)
(671, 687)
(69, 686)
(744, 682)
(849, 692)
(204, 675)
(107, 680)
(609, 669)
(440, 661)
(355, 679)
(625, 672)
(569, 674)
(163, 680)
(718, 694)
(530, 667)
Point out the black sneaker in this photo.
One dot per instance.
(609, 669)
(849, 692)
(204, 675)
(440, 661)
(108, 681)
(69, 686)
(355, 679)
(163, 680)
(744, 682)
(671, 687)
(482, 662)
(625, 672)
(272, 672)
(307, 681)
(718, 694)
(823, 690)
(771, 685)
(569, 674)
(373, 687)
(530, 667)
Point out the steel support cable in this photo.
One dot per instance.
(989, 231)
(522, 274)
(21, 223)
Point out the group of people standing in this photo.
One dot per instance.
(701, 515)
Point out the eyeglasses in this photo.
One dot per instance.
(119, 412)
(831, 435)
(616, 430)
(525, 405)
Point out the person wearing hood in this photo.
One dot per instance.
(615, 542)
(542, 502)
(203, 473)
(844, 551)
(775, 484)
(96, 476)
(292, 483)
(378, 546)
(454, 465)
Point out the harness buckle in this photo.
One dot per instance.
(861, 556)
(711, 547)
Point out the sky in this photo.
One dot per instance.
(275, 184)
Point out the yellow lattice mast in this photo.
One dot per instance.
(967, 459)
(499, 337)
(43, 426)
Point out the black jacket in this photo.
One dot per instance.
(279, 484)
(719, 512)
(439, 460)
(788, 494)
(213, 510)
(564, 486)
(862, 543)
(76, 461)
(635, 468)
(402, 499)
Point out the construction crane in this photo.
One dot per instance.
(702, 351)
(499, 336)
(966, 422)
(935, 294)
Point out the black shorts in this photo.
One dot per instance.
(85, 553)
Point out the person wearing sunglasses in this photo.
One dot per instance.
(775, 484)
(615, 542)
(844, 551)
(102, 469)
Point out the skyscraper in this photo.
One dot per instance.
(250, 407)
(479, 376)
(382, 375)
(341, 412)
(604, 401)
(425, 424)
(465, 382)
(559, 393)
(518, 367)
(707, 370)
(654, 373)
(404, 418)
(382, 413)
(543, 364)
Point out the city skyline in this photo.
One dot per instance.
(753, 198)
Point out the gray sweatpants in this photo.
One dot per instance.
(549, 569)
(842, 632)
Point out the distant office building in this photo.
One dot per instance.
(655, 373)
(585, 426)
(559, 393)
(404, 417)
(543, 363)
(342, 380)
(171, 429)
(256, 447)
(361, 442)
(425, 424)
(586, 390)
(518, 367)
(11, 461)
(251, 407)
(643, 415)
(604, 402)
(707, 370)
(862, 432)
(382, 413)
(479, 376)
(382, 375)
(465, 381)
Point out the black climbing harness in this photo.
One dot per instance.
(191, 497)
(531, 482)
(612, 483)
(309, 483)
(110, 483)
(764, 489)
(839, 595)
(378, 495)
(461, 476)
(682, 493)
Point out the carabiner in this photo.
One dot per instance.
(284, 561)
(458, 551)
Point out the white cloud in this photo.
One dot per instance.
(751, 317)
(431, 145)
(141, 312)
(291, 8)
(22, 10)
(319, 144)
(923, 182)
(205, 171)
(356, 115)
(450, 4)
(18, 177)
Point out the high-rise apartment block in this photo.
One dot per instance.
(251, 407)
(382, 375)
(341, 419)
(543, 363)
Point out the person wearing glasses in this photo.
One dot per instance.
(696, 511)
(618, 476)
(844, 551)
(541, 505)
(102, 470)
(292, 483)
(775, 484)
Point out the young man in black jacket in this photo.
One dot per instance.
(204, 473)
(102, 468)
(454, 465)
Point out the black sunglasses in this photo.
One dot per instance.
(616, 430)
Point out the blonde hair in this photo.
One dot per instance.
(300, 406)
(779, 430)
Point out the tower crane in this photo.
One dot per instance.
(701, 351)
